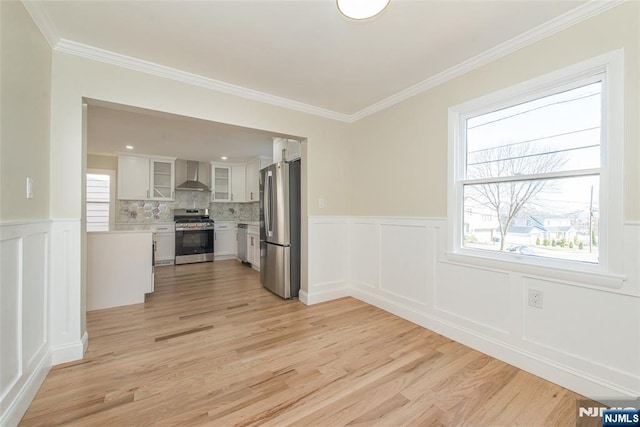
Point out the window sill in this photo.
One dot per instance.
(542, 268)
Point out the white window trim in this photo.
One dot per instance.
(607, 271)
(112, 192)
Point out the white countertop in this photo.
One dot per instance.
(134, 228)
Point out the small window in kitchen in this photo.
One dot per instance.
(99, 200)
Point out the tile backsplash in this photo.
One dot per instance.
(137, 211)
(235, 211)
(146, 211)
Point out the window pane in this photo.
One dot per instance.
(98, 199)
(560, 132)
(554, 218)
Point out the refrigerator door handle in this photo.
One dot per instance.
(268, 211)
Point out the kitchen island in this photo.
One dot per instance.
(119, 266)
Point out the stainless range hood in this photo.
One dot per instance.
(194, 175)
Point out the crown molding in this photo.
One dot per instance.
(97, 54)
(42, 21)
(579, 14)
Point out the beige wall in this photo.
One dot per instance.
(400, 154)
(96, 161)
(24, 110)
(75, 78)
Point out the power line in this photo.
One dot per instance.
(535, 140)
(533, 155)
(533, 109)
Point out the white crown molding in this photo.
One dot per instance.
(527, 38)
(42, 21)
(579, 14)
(136, 64)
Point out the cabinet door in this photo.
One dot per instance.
(162, 179)
(238, 179)
(165, 248)
(253, 176)
(250, 251)
(220, 183)
(254, 250)
(224, 243)
(133, 178)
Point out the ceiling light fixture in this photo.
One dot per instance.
(129, 147)
(224, 157)
(361, 9)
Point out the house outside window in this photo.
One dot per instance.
(535, 168)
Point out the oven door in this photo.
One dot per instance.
(194, 242)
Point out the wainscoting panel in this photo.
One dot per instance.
(24, 328)
(576, 326)
(365, 254)
(474, 295)
(328, 258)
(406, 261)
(586, 337)
(66, 293)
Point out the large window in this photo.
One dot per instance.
(99, 200)
(530, 173)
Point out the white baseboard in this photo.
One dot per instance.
(565, 376)
(16, 409)
(322, 295)
(69, 352)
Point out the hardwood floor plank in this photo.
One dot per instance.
(211, 346)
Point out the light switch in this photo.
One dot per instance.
(29, 188)
(321, 203)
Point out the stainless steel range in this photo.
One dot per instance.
(194, 236)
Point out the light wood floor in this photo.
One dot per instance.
(211, 346)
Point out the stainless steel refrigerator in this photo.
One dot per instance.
(280, 228)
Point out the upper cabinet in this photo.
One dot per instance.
(220, 183)
(252, 177)
(163, 176)
(286, 149)
(238, 183)
(146, 178)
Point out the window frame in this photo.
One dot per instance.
(112, 193)
(611, 67)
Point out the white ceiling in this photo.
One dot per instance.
(300, 54)
(303, 50)
(111, 127)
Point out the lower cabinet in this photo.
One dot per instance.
(164, 239)
(224, 241)
(253, 247)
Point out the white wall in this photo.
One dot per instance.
(587, 335)
(585, 338)
(25, 356)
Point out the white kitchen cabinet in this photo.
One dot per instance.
(238, 183)
(287, 149)
(253, 181)
(253, 247)
(224, 243)
(220, 183)
(133, 178)
(145, 178)
(162, 179)
(164, 239)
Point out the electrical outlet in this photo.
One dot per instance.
(535, 298)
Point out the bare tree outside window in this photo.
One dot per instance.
(508, 199)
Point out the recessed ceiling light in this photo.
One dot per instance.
(129, 147)
(361, 9)
(224, 157)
